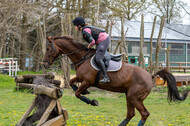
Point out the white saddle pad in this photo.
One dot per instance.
(113, 65)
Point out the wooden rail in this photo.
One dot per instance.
(181, 65)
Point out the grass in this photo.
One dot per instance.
(29, 72)
(73, 72)
(6, 82)
(111, 112)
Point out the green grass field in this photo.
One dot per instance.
(110, 112)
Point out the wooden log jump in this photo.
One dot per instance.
(45, 120)
(28, 79)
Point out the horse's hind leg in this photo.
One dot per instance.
(130, 113)
(142, 110)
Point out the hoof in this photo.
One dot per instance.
(94, 103)
(124, 122)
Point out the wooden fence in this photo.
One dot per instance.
(175, 66)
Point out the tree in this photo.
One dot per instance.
(169, 8)
(141, 56)
(159, 44)
(130, 8)
(151, 38)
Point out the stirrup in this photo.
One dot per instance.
(105, 80)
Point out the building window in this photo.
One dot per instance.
(188, 48)
(176, 49)
(132, 60)
(136, 48)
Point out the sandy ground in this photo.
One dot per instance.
(59, 77)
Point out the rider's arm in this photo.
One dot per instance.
(88, 37)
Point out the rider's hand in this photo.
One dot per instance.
(89, 46)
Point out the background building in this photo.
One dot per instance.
(175, 34)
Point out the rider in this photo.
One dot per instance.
(94, 36)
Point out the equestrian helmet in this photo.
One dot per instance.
(78, 21)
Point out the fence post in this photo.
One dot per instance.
(16, 63)
(9, 67)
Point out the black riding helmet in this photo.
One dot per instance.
(79, 21)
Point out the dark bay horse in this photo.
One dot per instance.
(132, 80)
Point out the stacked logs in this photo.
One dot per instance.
(45, 109)
(26, 81)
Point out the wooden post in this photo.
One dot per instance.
(57, 121)
(59, 107)
(47, 112)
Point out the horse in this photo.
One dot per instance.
(132, 80)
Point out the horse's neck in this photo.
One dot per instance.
(76, 55)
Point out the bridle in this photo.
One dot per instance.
(51, 52)
(77, 63)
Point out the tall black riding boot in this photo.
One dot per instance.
(104, 72)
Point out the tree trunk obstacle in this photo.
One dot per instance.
(21, 82)
(46, 95)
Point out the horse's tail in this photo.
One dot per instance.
(173, 93)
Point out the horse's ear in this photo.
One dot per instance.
(49, 38)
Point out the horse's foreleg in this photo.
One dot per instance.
(83, 87)
(74, 87)
(72, 83)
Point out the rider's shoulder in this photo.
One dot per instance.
(87, 27)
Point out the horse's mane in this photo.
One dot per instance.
(69, 38)
(64, 37)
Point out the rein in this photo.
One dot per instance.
(84, 58)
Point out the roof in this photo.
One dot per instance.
(170, 31)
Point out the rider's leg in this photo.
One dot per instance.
(101, 50)
(102, 67)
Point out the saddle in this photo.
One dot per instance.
(112, 62)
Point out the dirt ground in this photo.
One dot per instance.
(58, 77)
